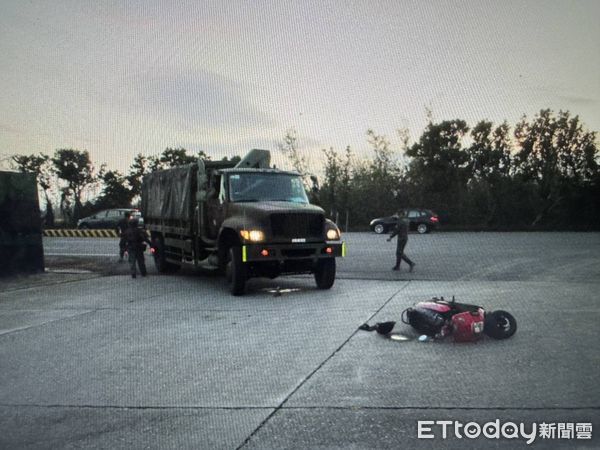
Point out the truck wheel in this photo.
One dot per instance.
(160, 261)
(325, 273)
(236, 271)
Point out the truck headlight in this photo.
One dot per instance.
(333, 234)
(253, 235)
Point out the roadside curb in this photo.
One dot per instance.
(80, 233)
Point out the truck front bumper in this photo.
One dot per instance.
(287, 252)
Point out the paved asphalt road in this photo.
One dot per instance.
(176, 362)
(567, 257)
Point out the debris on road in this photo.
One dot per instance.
(278, 291)
(380, 327)
(385, 329)
(399, 337)
(50, 270)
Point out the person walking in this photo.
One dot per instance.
(122, 226)
(136, 240)
(401, 231)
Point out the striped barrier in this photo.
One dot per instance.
(81, 233)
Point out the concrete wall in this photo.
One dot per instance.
(21, 247)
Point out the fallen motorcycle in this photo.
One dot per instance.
(439, 318)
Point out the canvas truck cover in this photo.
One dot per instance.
(168, 194)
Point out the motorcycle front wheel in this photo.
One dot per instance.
(499, 324)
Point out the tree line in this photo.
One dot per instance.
(70, 174)
(541, 174)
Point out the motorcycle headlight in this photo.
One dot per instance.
(253, 235)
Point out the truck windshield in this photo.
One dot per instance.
(260, 187)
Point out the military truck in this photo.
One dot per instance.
(245, 220)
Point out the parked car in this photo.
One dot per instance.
(420, 220)
(107, 219)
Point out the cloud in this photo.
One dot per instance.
(566, 95)
(200, 100)
(7, 128)
(578, 100)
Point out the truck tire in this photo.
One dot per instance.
(325, 273)
(160, 260)
(236, 271)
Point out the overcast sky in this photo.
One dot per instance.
(124, 77)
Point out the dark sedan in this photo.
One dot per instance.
(420, 220)
(107, 219)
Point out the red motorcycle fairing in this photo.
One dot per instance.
(468, 326)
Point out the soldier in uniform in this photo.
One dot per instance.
(136, 240)
(122, 226)
(401, 231)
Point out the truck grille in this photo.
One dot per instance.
(292, 226)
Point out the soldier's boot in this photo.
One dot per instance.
(142, 264)
(132, 262)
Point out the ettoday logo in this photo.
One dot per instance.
(426, 429)
(430, 429)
